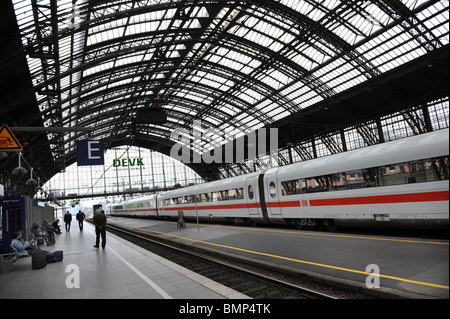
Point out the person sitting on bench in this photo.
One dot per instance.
(18, 245)
(37, 233)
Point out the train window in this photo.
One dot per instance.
(419, 171)
(372, 176)
(272, 190)
(224, 195)
(318, 184)
(437, 169)
(250, 192)
(202, 198)
(187, 199)
(236, 193)
(135, 205)
(240, 193)
(351, 180)
(293, 187)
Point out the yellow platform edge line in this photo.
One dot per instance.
(301, 261)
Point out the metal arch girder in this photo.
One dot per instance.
(311, 81)
(408, 20)
(126, 85)
(153, 57)
(273, 57)
(86, 65)
(317, 29)
(46, 24)
(93, 107)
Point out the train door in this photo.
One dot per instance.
(252, 195)
(272, 200)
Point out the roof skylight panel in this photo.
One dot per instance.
(304, 60)
(436, 22)
(261, 39)
(229, 63)
(209, 83)
(182, 109)
(305, 8)
(268, 106)
(348, 81)
(250, 96)
(270, 81)
(278, 114)
(98, 68)
(344, 33)
(24, 14)
(228, 109)
(255, 124)
(412, 4)
(128, 59)
(295, 91)
(336, 76)
(239, 118)
(306, 99)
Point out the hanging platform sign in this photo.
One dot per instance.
(90, 153)
(8, 142)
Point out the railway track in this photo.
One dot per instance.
(238, 277)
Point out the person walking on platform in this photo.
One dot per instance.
(80, 217)
(100, 230)
(68, 221)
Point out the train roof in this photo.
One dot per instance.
(429, 145)
(135, 200)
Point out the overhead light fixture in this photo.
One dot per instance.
(19, 170)
(151, 116)
(38, 188)
(31, 181)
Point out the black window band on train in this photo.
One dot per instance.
(217, 196)
(420, 171)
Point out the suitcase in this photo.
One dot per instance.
(39, 259)
(55, 256)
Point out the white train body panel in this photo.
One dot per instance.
(405, 202)
(208, 206)
(379, 184)
(139, 207)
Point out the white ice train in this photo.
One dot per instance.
(403, 183)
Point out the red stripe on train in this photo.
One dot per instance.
(382, 199)
(364, 200)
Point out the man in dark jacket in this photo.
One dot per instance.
(80, 217)
(100, 223)
(68, 221)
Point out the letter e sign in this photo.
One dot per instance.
(90, 153)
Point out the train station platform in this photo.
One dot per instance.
(382, 264)
(120, 271)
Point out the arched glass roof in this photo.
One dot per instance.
(127, 170)
(234, 65)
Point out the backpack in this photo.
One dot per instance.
(38, 259)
